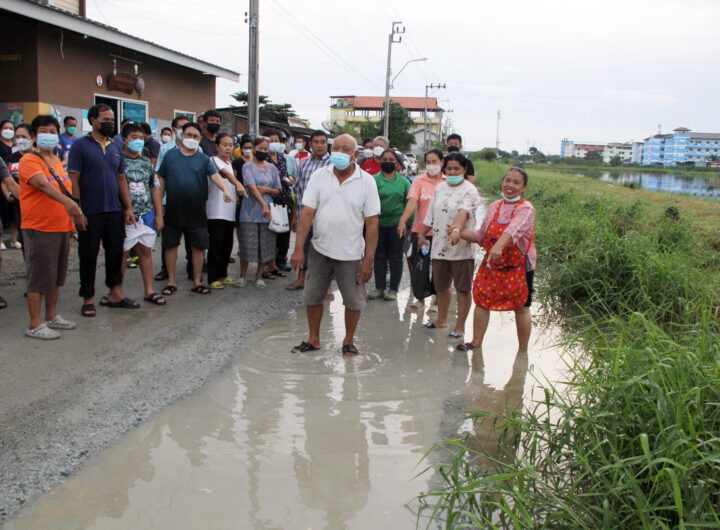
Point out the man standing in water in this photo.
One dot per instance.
(339, 201)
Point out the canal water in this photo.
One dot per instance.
(281, 440)
(696, 186)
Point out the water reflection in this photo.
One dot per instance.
(303, 441)
(702, 187)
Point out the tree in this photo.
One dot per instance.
(242, 97)
(489, 155)
(399, 125)
(594, 156)
(279, 112)
(537, 156)
(616, 161)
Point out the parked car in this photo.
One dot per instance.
(411, 164)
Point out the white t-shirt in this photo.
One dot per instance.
(340, 211)
(443, 211)
(217, 208)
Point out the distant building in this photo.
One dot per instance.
(56, 61)
(356, 110)
(681, 148)
(609, 150)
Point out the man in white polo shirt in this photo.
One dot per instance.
(339, 201)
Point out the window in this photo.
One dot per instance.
(192, 116)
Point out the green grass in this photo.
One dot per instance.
(633, 439)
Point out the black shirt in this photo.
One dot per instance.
(208, 146)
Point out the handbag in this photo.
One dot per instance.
(279, 221)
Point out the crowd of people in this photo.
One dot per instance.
(355, 211)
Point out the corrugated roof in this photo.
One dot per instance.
(54, 16)
(705, 136)
(378, 102)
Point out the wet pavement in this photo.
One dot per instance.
(281, 440)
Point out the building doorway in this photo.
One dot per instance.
(124, 109)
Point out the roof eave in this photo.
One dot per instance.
(56, 17)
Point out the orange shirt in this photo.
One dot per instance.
(40, 212)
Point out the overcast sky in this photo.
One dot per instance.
(585, 70)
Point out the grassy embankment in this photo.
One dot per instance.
(700, 172)
(637, 444)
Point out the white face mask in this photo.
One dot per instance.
(8, 134)
(378, 151)
(166, 138)
(277, 147)
(190, 143)
(368, 153)
(299, 146)
(247, 152)
(24, 144)
(433, 169)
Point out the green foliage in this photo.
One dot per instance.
(242, 97)
(632, 441)
(616, 161)
(279, 111)
(399, 126)
(594, 156)
(489, 155)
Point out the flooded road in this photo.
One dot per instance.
(281, 440)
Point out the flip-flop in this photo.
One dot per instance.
(201, 289)
(88, 310)
(431, 325)
(125, 303)
(465, 347)
(304, 347)
(155, 298)
(455, 335)
(169, 290)
(349, 350)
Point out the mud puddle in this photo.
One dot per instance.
(278, 440)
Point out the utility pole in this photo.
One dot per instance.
(396, 30)
(253, 66)
(497, 132)
(426, 122)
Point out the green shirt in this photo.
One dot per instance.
(393, 198)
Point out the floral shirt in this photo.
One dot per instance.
(141, 180)
(445, 205)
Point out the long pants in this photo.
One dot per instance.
(108, 227)
(220, 233)
(389, 249)
(283, 246)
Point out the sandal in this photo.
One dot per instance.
(200, 289)
(155, 298)
(217, 285)
(278, 272)
(267, 275)
(160, 276)
(125, 303)
(431, 325)
(88, 310)
(42, 332)
(3, 303)
(304, 347)
(454, 334)
(349, 350)
(294, 287)
(260, 284)
(169, 290)
(468, 346)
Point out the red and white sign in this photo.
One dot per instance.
(99, 80)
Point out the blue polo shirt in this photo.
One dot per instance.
(99, 167)
(65, 144)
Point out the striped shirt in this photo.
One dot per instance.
(308, 166)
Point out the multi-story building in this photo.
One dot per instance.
(609, 150)
(681, 148)
(355, 110)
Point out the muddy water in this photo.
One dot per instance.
(308, 440)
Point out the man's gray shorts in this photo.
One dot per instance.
(321, 272)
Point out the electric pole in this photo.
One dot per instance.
(426, 122)
(497, 133)
(396, 30)
(253, 66)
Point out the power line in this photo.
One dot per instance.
(319, 43)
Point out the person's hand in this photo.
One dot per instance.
(401, 229)
(297, 259)
(266, 212)
(365, 271)
(129, 217)
(454, 236)
(495, 253)
(159, 223)
(241, 190)
(10, 197)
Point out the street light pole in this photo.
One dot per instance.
(396, 30)
(253, 94)
(426, 122)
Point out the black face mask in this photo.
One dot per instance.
(453, 149)
(107, 128)
(212, 128)
(261, 156)
(387, 167)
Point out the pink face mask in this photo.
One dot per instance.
(433, 169)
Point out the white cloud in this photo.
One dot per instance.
(646, 96)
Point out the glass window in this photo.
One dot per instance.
(136, 112)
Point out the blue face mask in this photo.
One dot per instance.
(516, 199)
(47, 142)
(454, 181)
(136, 145)
(340, 160)
(277, 147)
